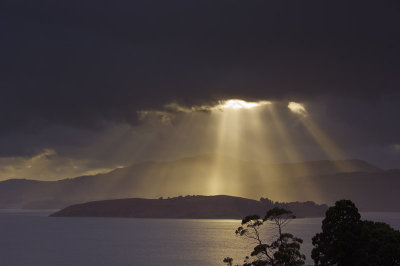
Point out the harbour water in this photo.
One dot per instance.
(33, 238)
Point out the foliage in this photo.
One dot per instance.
(228, 261)
(380, 244)
(346, 240)
(340, 230)
(284, 250)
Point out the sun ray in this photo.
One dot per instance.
(227, 143)
(306, 188)
(328, 146)
(215, 183)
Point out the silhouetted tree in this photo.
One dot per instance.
(346, 240)
(228, 261)
(284, 250)
(340, 231)
(380, 244)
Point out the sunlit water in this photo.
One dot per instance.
(32, 238)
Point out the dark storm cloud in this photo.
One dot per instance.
(85, 63)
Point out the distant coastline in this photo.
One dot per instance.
(371, 188)
(188, 207)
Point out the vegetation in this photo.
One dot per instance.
(284, 250)
(347, 240)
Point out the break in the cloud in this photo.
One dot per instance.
(297, 108)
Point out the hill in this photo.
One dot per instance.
(319, 181)
(189, 207)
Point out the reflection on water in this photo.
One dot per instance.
(32, 238)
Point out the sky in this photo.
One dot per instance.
(88, 86)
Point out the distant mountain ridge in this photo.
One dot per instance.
(188, 207)
(320, 181)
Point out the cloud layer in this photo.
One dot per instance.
(72, 71)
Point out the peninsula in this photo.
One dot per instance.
(188, 207)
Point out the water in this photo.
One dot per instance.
(32, 238)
